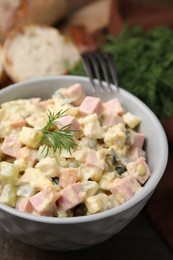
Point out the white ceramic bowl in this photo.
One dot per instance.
(79, 232)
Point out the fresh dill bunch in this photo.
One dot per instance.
(54, 136)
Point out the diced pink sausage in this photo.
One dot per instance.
(91, 105)
(135, 153)
(125, 188)
(138, 139)
(28, 154)
(112, 119)
(11, 146)
(68, 119)
(44, 103)
(71, 196)
(17, 121)
(76, 93)
(68, 176)
(44, 201)
(139, 170)
(24, 204)
(93, 160)
(113, 106)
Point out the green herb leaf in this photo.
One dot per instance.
(55, 137)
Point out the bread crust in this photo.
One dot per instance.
(35, 51)
(1, 67)
(16, 13)
(2, 71)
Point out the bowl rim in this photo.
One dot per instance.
(148, 190)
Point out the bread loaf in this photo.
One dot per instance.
(16, 13)
(35, 51)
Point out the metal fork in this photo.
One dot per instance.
(101, 66)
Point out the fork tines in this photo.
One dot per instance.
(100, 66)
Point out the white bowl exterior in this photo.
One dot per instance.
(74, 233)
(64, 236)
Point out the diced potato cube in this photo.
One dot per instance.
(120, 151)
(48, 166)
(116, 135)
(106, 179)
(88, 119)
(61, 161)
(81, 154)
(131, 120)
(97, 203)
(9, 173)
(89, 172)
(93, 130)
(61, 213)
(112, 202)
(8, 195)
(37, 120)
(20, 164)
(73, 111)
(141, 169)
(91, 187)
(36, 178)
(29, 136)
(26, 191)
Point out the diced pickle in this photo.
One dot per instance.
(80, 210)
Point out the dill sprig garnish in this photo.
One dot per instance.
(54, 136)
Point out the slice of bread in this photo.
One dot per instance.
(17, 13)
(35, 51)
